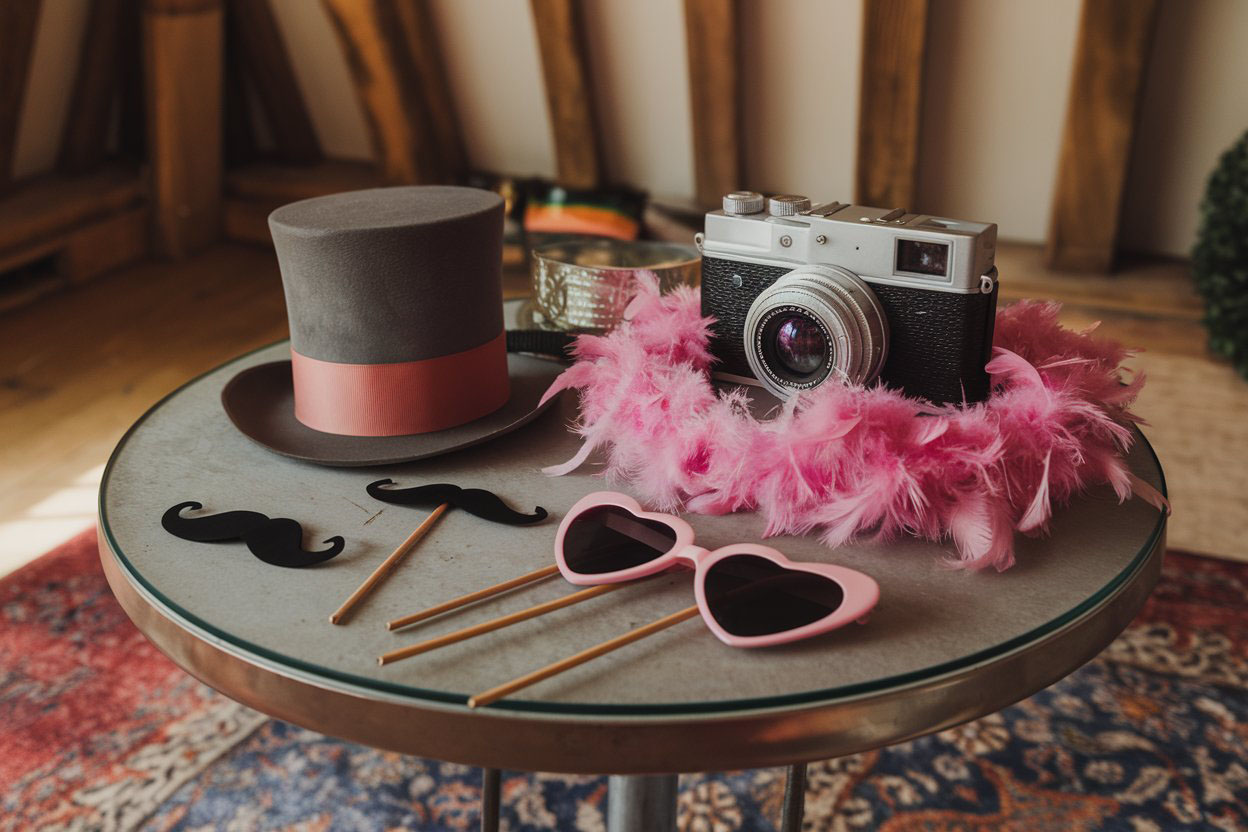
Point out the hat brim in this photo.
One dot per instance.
(260, 401)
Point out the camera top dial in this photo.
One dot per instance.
(740, 203)
(787, 205)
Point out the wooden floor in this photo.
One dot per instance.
(78, 367)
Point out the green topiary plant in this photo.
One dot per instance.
(1220, 258)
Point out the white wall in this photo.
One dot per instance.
(801, 95)
(637, 57)
(997, 79)
(993, 109)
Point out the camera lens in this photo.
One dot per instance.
(799, 345)
(815, 322)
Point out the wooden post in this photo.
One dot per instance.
(395, 63)
(1111, 54)
(183, 51)
(132, 104)
(890, 102)
(415, 29)
(569, 92)
(84, 139)
(712, 35)
(239, 129)
(258, 44)
(18, 21)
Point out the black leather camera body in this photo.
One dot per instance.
(802, 295)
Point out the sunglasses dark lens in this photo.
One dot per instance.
(750, 595)
(609, 539)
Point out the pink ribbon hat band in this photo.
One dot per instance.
(398, 399)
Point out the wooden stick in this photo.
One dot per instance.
(498, 623)
(388, 564)
(494, 694)
(481, 594)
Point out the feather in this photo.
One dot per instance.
(572, 464)
(975, 528)
(1038, 512)
(848, 461)
(1145, 491)
(1013, 367)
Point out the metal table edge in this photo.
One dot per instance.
(631, 744)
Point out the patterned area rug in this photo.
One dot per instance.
(99, 731)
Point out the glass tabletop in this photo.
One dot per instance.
(932, 620)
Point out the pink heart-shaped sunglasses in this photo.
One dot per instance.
(749, 595)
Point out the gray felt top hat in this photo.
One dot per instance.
(396, 326)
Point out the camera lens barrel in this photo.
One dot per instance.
(815, 323)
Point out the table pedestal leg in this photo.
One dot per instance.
(491, 786)
(794, 799)
(642, 803)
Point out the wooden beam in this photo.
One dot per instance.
(248, 222)
(713, 36)
(132, 106)
(1111, 53)
(890, 100)
(569, 92)
(18, 21)
(392, 52)
(86, 225)
(76, 255)
(238, 126)
(50, 205)
(84, 138)
(415, 27)
(266, 64)
(183, 53)
(254, 191)
(283, 183)
(103, 245)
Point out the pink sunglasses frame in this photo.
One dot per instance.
(861, 592)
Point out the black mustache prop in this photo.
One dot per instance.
(476, 501)
(278, 541)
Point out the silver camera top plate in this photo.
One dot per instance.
(880, 245)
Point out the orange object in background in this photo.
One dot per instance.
(580, 219)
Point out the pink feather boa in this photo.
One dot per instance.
(850, 460)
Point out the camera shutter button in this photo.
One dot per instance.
(787, 205)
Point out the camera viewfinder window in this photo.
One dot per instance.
(923, 258)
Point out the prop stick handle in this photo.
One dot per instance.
(498, 623)
(380, 573)
(481, 594)
(494, 694)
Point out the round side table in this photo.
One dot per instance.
(944, 646)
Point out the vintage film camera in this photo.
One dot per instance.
(803, 294)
